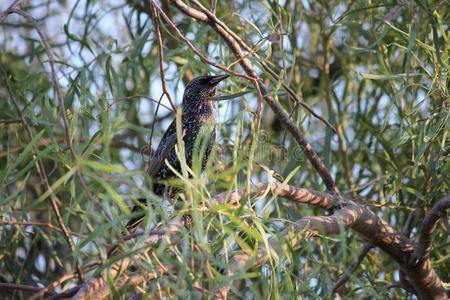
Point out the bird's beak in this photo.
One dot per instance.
(216, 79)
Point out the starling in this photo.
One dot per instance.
(198, 131)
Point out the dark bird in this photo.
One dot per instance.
(198, 131)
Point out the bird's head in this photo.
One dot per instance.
(201, 88)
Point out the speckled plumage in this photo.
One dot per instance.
(197, 121)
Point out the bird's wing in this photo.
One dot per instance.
(166, 145)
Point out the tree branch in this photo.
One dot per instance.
(10, 121)
(346, 275)
(153, 16)
(44, 178)
(195, 50)
(375, 230)
(424, 243)
(22, 287)
(251, 51)
(56, 86)
(312, 156)
(301, 195)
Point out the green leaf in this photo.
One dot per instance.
(232, 96)
(62, 180)
(25, 153)
(179, 60)
(103, 167)
(114, 195)
(387, 76)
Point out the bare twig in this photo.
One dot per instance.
(259, 108)
(235, 47)
(195, 50)
(346, 275)
(49, 288)
(154, 120)
(211, 16)
(40, 224)
(58, 91)
(100, 289)
(115, 100)
(6, 12)
(44, 178)
(22, 287)
(213, 6)
(12, 121)
(297, 98)
(159, 42)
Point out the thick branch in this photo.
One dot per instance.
(98, 288)
(372, 228)
(425, 240)
(307, 196)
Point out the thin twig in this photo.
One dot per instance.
(159, 42)
(115, 100)
(59, 93)
(10, 121)
(235, 47)
(259, 108)
(39, 224)
(117, 143)
(297, 98)
(49, 288)
(6, 12)
(154, 121)
(213, 6)
(195, 50)
(346, 275)
(210, 16)
(22, 287)
(44, 178)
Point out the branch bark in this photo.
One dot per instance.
(425, 240)
(373, 229)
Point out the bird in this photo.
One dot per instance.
(198, 133)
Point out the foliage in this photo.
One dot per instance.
(377, 71)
